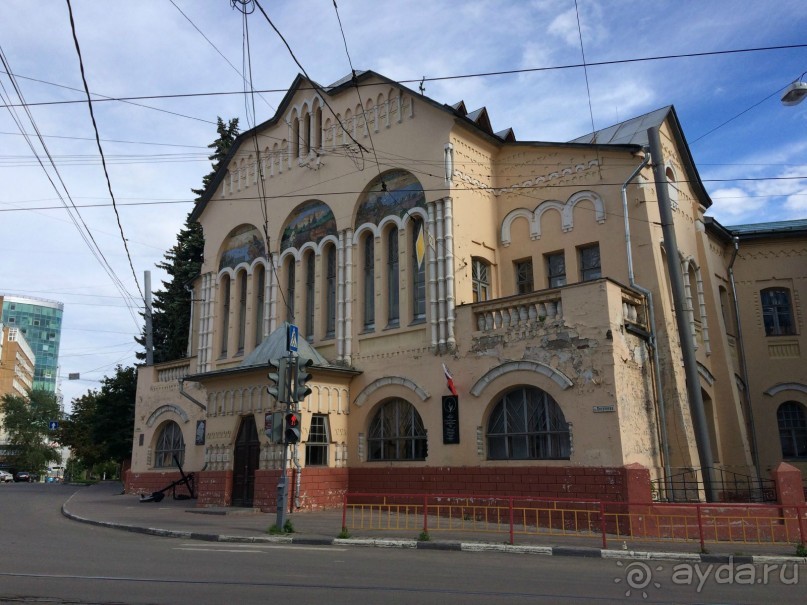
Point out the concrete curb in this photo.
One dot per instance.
(556, 551)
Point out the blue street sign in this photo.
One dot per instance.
(53, 425)
(292, 337)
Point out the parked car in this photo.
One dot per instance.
(6, 477)
(23, 476)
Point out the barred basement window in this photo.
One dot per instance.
(170, 443)
(527, 424)
(397, 433)
(316, 448)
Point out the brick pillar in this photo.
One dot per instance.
(790, 495)
(637, 484)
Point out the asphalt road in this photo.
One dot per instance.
(46, 558)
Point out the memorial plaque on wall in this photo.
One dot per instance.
(451, 419)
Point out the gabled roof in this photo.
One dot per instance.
(775, 228)
(634, 132)
(274, 347)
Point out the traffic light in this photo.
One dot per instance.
(301, 376)
(292, 430)
(273, 426)
(279, 375)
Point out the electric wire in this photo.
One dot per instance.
(100, 147)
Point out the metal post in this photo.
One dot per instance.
(282, 491)
(149, 326)
(687, 345)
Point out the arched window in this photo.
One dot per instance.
(792, 429)
(396, 433)
(330, 292)
(480, 276)
(527, 424)
(290, 280)
(295, 137)
(260, 285)
(418, 271)
(777, 312)
(393, 315)
(242, 310)
(225, 313)
(369, 282)
(307, 133)
(309, 295)
(170, 443)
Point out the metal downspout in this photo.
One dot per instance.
(189, 396)
(741, 350)
(662, 412)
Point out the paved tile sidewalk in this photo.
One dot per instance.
(105, 504)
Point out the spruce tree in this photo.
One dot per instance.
(171, 306)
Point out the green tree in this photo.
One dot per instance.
(100, 427)
(25, 420)
(171, 306)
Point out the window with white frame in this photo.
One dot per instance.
(330, 292)
(316, 447)
(480, 278)
(369, 281)
(777, 312)
(170, 445)
(418, 275)
(590, 263)
(524, 276)
(393, 313)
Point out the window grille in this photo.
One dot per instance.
(396, 433)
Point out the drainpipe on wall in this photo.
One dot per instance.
(297, 478)
(662, 413)
(693, 386)
(743, 364)
(189, 396)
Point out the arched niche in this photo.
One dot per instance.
(243, 244)
(393, 193)
(311, 221)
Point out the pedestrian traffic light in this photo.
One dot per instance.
(279, 376)
(301, 377)
(292, 430)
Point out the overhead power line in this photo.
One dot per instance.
(439, 78)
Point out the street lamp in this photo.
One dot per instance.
(795, 93)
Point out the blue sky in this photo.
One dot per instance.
(149, 48)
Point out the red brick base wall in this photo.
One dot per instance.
(588, 483)
(324, 488)
(147, 483)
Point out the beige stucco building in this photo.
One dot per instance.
(405, 238)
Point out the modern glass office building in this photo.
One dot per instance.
(40, 321)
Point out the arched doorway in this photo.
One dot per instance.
(247, 452)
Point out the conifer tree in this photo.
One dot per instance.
(171, 306)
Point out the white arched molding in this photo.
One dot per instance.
(566, 211)
(706, 374)
(167, 409)
(519, 366)
(387, 381)
(787, 386)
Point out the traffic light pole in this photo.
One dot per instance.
(282, 491)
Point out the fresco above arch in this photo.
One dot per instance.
(403, 192)
(243, 245)
(309, 222)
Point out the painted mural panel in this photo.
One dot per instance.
(309, 222)
(403, 192)
(243, 245)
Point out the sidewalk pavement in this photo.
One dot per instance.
(105, 505)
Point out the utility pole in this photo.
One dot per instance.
(149, 324)
(684, 334)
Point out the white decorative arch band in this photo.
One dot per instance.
(787, 386)
(517, 366)
(706, 374)
(566, 211)
(390, 380)
(165, 409)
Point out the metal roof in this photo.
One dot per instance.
(629, 132)
(769, 228)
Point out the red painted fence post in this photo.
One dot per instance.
(510, 503)
(602, 524)
(425, 514)
(344, 512)
(700, 527)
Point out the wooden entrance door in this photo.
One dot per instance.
(247, 451)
